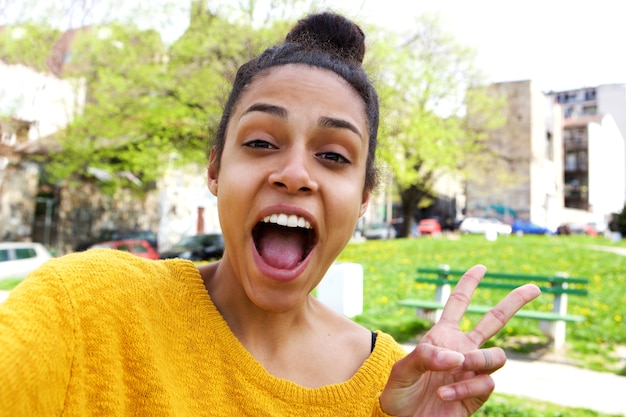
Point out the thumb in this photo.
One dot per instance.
(406, 389)
(425, 357)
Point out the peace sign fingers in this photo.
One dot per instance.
(456, 306)
(496, 318)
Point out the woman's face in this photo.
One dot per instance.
(291, 180)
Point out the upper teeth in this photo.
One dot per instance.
(290, 220)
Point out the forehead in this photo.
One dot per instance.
(303, 84)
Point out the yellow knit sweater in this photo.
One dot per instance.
(105, 333)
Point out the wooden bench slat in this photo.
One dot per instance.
(509, 276)
(482, 309)
(502, 285)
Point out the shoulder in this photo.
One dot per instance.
(98, 269)
(387, 346)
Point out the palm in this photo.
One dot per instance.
(414, 385)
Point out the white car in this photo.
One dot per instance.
(18, 259)
(481, 225)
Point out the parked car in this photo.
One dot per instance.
(429, 227)
(589, 228)
(141, 248)
(108, 235)
(482, 225)
(380, 231)
(197, 248)
(521, 227)
(18, 259)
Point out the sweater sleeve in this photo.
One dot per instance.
(36, 344)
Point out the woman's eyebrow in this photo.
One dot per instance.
(332, 122)
(267, 108)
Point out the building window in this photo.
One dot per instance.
(590, 95)
(570, 161)
(590, 110)
(582, 161)
(567, 112)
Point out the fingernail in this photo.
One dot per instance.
(451, 356)
(446, 393)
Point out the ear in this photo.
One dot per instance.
(365, 202)
(212, 173)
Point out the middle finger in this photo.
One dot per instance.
(496, 318)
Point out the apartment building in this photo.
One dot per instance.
(593, 132)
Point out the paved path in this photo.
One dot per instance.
(615, 249)
(555, 383)
(562, 384)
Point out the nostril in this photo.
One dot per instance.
(294, 178)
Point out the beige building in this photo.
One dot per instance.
(526, 179)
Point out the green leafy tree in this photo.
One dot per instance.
(427, 83)
(28, 44)
(146, 103)
(118, 65)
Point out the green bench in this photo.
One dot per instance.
(552, 323)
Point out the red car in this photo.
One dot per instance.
(429, 227)
(140, 248)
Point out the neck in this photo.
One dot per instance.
(335, 346)
(252, 324)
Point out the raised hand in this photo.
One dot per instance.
(447, 374)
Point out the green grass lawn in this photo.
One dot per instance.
(390, 268)
(500, 405)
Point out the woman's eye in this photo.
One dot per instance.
(333, 157)
(259, 144)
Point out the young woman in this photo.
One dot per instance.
(107, 334)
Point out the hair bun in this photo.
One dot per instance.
(332, 33)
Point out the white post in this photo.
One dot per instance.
(556, 329)
(341, 289)
(442, 293)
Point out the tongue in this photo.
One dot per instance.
(281, 247)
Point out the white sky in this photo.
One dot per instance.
(560, 44)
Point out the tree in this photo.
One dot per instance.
(147, 103)
(146, 100)
(426, 83)
(28, 44)
(618, 222)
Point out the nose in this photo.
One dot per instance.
(293, 173)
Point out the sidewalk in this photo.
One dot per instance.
(561, 384)
(564, 385)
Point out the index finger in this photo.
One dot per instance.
(457, 303)
(496, 318)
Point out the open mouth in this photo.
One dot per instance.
(284, 241)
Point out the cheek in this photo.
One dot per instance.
(345, 201)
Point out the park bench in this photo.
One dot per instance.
(552, 323)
